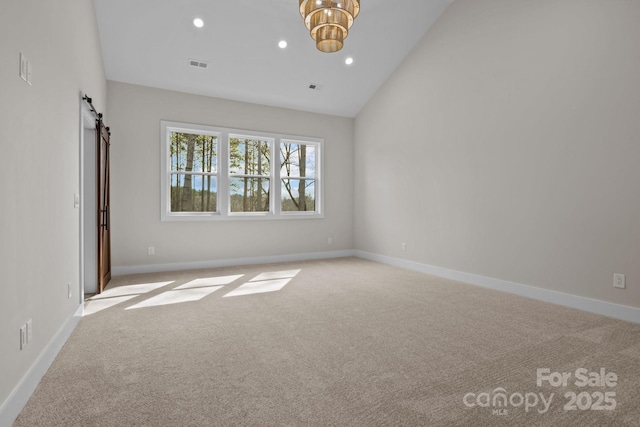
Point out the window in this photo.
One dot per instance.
(298, 176)
(193, 177)
(249, 173)
(211, 173)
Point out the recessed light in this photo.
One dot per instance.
(198, 23)
(282, 44)
(348, 61)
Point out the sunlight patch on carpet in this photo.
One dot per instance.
(210, 281)
(94, 306)
(264, 282)
(176, 297)
(134, 290)
(288, 274)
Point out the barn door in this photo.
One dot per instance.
(104, 214)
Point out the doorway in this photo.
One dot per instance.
(94, 203)
(104, 203)
(88, 204)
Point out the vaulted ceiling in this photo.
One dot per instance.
(153, 42)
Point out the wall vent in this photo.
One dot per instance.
(198, 63)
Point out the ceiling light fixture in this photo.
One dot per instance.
(348, 61)
(329, 21)
(282, 44)
(198, 23)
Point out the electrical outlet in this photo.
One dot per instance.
(619, 281)
(23, 336)
(404, 247)
(151, 250)
(29, 331)
(69, 290)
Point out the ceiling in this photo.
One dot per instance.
(151, 43)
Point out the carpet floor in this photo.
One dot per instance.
(343, 342)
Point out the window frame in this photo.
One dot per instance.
(223, 177)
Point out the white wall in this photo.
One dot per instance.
(134, 116)
(507, 144)
(39, 137)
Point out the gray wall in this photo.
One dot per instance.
(39, 137)
(506, 145)
(135, 113)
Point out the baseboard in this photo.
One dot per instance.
(617, 311)
(231, 262)
(21, 394)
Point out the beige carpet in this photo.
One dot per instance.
(344, 342)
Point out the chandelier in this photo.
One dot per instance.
(329, 21)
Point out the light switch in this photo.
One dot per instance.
(23, 67)
(28, 72)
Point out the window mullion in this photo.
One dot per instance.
(275, 177)
(240, 175)
(223, 175)
(165, 199)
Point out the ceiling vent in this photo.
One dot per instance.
(196, 63)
